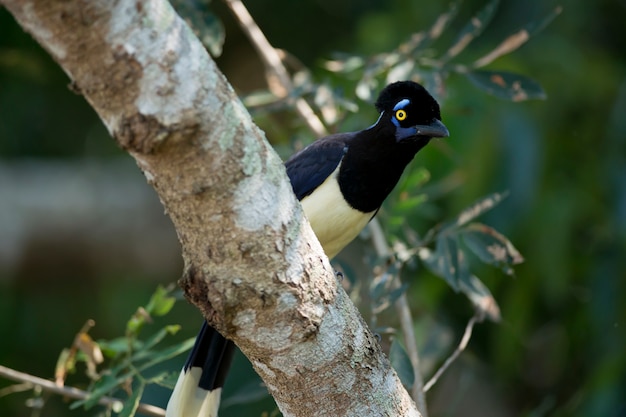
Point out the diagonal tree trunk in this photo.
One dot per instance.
(252, 264)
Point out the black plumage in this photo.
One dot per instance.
(343, 179)
(372, 160)
(311, 166)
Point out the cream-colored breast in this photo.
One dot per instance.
(334, 222)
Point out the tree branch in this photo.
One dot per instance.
(478, 316)
(406, 321)
(274, 65)
(252, 263)
(33, 381)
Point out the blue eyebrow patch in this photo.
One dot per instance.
(401, 104)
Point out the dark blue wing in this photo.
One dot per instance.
(310, 167)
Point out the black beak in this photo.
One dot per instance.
(434, 129)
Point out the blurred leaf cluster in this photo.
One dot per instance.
(131, 360)
(417, 59)
(456, 240)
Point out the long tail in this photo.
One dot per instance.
(199, 386)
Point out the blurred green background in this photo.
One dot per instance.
(82, 236)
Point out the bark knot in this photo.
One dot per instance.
(141, 134)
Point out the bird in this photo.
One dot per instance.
(341, 181)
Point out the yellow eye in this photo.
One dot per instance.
(400, 115)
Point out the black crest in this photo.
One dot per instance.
(413, 91)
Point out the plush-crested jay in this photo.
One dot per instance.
(341, 181)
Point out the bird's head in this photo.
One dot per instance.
(413, 112)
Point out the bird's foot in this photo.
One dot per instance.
(339, 275)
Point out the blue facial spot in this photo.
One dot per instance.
(403, 132)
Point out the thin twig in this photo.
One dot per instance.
(46, 385)
(273, 63)
(24, 386)
(410, 343)
(460, 348)
(406, 321)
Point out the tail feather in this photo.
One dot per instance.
(199, 386)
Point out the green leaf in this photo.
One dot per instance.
(144, 348)
(168, 380)
(400, 71)
(476, 209)
(136, 322)
(396, 293)
(116, 347)
(344, 63)
(160, 303)
(366, 87)
(156, 357)
(491, 247)
(368, 84)
(471, 286)
(506, 85)
(380, 286)
(515, 40)
(102, 387)
(481, 297)
(463, 273)
(447, 260)
(132, 403)
(417, 178)
(387, 300)
(160, 335)
(395, 223)
(407, 52)
(66, 363)
(404, 205)
(325, 100)
(401, 363)
(535, 27)
(160, 377)
(441, 23)
(472, 30)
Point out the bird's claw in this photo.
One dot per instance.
(339, 275)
